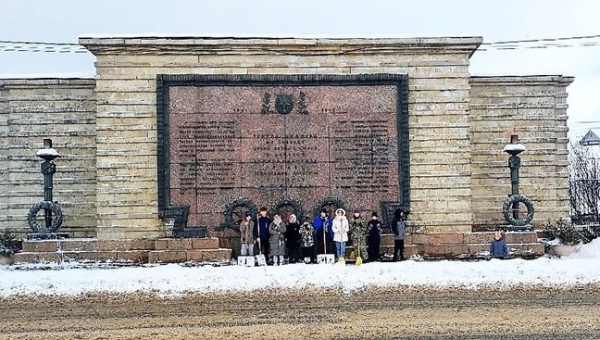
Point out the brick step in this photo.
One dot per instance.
(131, 256)
(194, 255)
(51, 246)
(409, 250)
(535, 248)
(461, 238)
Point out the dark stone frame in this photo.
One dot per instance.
(165, 81)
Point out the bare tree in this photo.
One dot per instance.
(584, 188)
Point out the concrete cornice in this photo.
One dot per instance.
(522, 80)
(242, 46)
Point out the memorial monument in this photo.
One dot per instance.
(178, 136)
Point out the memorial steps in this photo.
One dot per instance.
(123, 251)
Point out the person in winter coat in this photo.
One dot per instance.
(358, 235)
(374, 237)
(399, 229)
(246, 235)
(292, 237)
(277, 239)
(324, 232)
(498, 248)
(340, 233)
(307, 240)
(261, 231)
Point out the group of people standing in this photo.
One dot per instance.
(277, 239)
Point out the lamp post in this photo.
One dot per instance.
(512, 203)
(48, 168)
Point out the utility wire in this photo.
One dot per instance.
(560, 42)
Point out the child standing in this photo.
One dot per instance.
(261, 231)
(374, 237)
(277, 239)
(340, 233)
(399, 228)
(246, 235)
(307, 240)
(292, 239)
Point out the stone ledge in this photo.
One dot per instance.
(93, 244)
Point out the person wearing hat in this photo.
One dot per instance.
(292, 237)
(358, 234)
(246, 237)
(374, 228)
(340, 233)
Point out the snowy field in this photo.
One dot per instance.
(583, 267)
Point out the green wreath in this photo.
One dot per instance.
(56, 220)
(507, 210)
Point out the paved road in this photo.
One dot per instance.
(399, 313)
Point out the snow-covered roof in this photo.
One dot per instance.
(589, 139)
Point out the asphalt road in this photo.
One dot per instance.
(399, 313)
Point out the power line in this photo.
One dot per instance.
(545, 43)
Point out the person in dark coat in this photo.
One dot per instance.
(324, 233)
(498, 248)
(261, 231)
(399, 229)
(374, 238)
(292, 236)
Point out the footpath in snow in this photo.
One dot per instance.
(583, 267)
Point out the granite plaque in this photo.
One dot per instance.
(280, 141)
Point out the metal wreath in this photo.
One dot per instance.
(338, 203)
(236, 203)
(294, 203)
(56, 221)
(507, 210)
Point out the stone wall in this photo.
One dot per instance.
(126, 117)
(106, 129)
(535, 109)
(64, 111)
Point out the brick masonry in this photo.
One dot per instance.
(105, 128)
(127, 251)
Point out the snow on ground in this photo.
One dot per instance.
(171, 280)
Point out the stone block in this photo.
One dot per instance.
(79, 245)
(114, 245)
(194, 255)
(533, 248)
(25, 257)
(45, 246)
(179, 244)
(106, 256)
(479, 237)
(205, 243)
(133, 256)
(167, 256)
(50, 257)
(420, 238)
(216, 255)
(410, 250)
(87, 256)
(476, 248)
(142, 244)
(445, 238)
(445, 249)
(161, 244)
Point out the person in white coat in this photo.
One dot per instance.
(340, 233)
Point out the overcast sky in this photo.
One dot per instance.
(65, 20)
